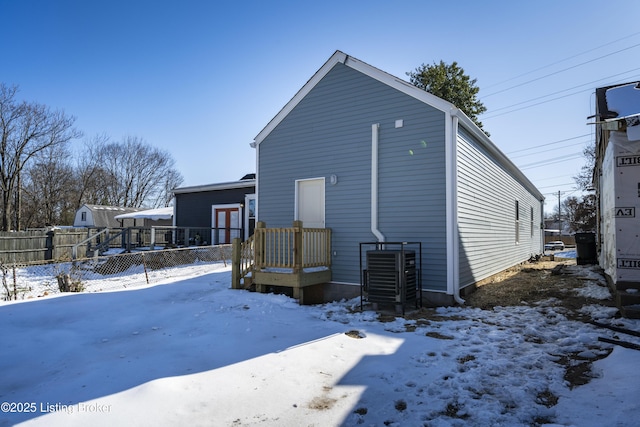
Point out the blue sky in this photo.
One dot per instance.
(201, 79)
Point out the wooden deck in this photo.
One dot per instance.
(296, 257)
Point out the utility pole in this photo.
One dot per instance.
(559, 217)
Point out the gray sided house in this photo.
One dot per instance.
(227, 208)
(376, 159)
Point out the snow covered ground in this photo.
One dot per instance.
(194, 352)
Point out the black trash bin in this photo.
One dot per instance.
(586, 248)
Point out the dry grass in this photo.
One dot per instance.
(531, 282)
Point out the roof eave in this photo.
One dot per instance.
(356, 64)
(493, 149)
(214, 187)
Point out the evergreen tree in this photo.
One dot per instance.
(450, 83)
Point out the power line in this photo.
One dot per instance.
(538, 103)
(520, 156)
(590, 84)
(553, 177)
(560, 61)
(549, 143)
(556, 185)
(561, 71)
(550, 161)
(533, 105)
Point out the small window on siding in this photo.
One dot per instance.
(517, 222)
(83, 216)
(532, 221)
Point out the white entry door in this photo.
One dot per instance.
(310, 202)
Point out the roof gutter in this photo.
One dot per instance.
(374, 182)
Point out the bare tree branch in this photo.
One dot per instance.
(26, 129)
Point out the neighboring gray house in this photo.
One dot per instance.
(102, 216)
(228, 208)
(374, 158)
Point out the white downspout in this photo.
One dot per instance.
(453, 252)
(374, 182)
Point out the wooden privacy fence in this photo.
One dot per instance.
(281, 252)
(73, 243)
(39, 245)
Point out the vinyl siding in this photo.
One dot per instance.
(486, 214)
(329, 133)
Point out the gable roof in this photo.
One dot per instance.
(406, 88)
(342, 58)
(110, 210)
(104, 216)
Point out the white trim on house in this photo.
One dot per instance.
(404, 87)
(213, 187)
(247, 210)
(500, 156)
(214, 219)
(399, 84)
(466, 152)
(356, 64)
(299, 96)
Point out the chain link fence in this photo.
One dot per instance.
(32, 280)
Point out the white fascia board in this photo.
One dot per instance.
(299, 96)
(406, 88)
(212, 187)
(356, 64)
(399, 84)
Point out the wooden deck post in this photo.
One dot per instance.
(297, 247)
(259, 248)
(236, 259)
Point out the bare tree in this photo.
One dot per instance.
(580, 213)
(25, 130)
(584, 179)
(170, 181)
(48, 188)
(91, 177)
(135, 174)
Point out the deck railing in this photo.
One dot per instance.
(293, 249)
